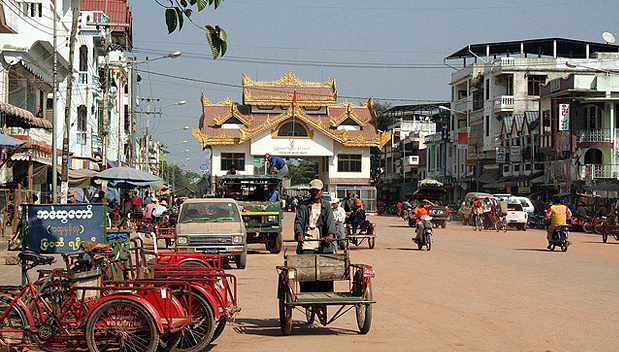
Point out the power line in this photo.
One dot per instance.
(271, 90)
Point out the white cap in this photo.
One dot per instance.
(336, 200)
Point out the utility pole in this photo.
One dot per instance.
(64, 177)
(106, 85)
(145, 151)
(54, 115)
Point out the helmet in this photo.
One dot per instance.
(358, 202)
(476, 198)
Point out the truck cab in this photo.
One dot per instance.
(262, 217)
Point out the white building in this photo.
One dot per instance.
(500, 85)
(293, 119)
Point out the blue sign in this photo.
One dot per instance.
(55, 228)
(204, 167)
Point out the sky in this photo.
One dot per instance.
(390, 50)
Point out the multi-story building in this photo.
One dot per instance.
(580, 128)
(26, 80)
(495, 108)
(88, 128)
(400, 158)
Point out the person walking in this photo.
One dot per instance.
(340, 217)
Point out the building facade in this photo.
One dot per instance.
(293, 119)
(496, 125)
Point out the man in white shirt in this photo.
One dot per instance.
(339, 214)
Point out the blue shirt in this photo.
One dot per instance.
(278, 162)
(272, 197)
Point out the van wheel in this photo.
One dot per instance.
(241, 260)
(444, 224)
(275, 245)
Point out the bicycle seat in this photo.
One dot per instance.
(36, 258)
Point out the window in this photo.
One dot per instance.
(82, 116)
(349, 163)
(233, 159)
(535, 82)
(487, 125)
(487, 89)
(32, 9)
(510, 85)
(292, 129)
(83, 58)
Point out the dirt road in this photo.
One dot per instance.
(474, 291)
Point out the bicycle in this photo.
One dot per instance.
(478, 221)
(500, 223)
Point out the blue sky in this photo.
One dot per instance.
(390, 50)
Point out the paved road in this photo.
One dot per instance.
(474, 291)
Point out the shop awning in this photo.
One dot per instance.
(8, 141)
(25, 116)
(490, 176)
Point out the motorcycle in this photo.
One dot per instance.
(408, 215)
(560, 238)
(426, 234)
(537, 222)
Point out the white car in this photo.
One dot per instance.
(516, 216)
(526, 203)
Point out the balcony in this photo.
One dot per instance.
(600, 135)
(599, 171)
(504, 103)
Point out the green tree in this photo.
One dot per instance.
(383, 122)
(176, 11)
(304, 172)
(181, 180)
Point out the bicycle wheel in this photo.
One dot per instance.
(197, 335)
(14, 320)
(504, 225)
(598, 226)
(121, 325)
(497, 225)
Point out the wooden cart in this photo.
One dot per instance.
(306, 283)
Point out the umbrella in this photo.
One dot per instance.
(8, 141)
(125, 175)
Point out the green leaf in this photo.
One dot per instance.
(212, 41)
(171, 20)
(202, 4)
(192, 2)
(209, 28)
(179, 13)
(217, 3)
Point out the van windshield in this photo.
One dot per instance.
(209, 212)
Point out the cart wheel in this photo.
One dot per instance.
(16, 320)
(121, 324)
(195, 336)
(194, 264)
(604, 237)
(364, 317)
(219, 329)
(310, 315)
(285, 316)
(371, 242)
(444, 224)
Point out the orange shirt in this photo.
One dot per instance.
(422, 211)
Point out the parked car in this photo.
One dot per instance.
(467, 204)
(212, 226)
(516, 216)
(526, 203)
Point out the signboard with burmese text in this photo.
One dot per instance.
(57, 228)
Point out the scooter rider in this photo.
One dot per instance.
(558, 214)
(421, 210)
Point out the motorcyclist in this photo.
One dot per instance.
(558, 214)
(421, 210)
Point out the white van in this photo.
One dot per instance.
(527, 205)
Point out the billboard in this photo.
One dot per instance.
(500, 155)
(463, 140)
(55, 228)
(564, 117)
